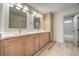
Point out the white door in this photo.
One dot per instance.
(76, 20)
(68, 29)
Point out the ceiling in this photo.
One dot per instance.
(53, 7)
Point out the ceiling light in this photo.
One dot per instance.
(19, 5)
(17, 8)
(25, 8)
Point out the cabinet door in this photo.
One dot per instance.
(44, 39)
(29, 45)
(37, 44)
(16, 50)
(41, 40)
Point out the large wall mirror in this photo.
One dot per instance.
(36, 22)
(17, 18)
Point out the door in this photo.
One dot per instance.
(13, 47)
(29, 45)
(44, 39)
(16, 50)
(68, 29)
(76, 29)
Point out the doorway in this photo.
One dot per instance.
(71, 29)
(68, 29)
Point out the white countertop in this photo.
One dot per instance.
(7, 36)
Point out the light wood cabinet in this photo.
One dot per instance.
(24, 45)
(44, 39)
(48, 23)
(37, 42)
(16, 50)
(13, 47)
(1, 48)
(29, 45)
(41, 40)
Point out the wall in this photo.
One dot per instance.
(58, 23)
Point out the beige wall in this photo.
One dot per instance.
(58, 24)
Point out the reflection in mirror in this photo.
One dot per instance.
(36, 22)
(17, 18)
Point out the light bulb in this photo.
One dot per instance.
(35, 13)
(19, 5)
(17, 8)
(40, 15)
(25, 8)
(10, 5)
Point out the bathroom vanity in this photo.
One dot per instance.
(23, 45)
(23, 34)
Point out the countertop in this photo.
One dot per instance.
(7, 36)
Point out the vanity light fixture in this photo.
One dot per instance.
(39, 15)
(10, 5)
(19, 5)
(32, 14)
(25, 8)
(18, 8)
(35, 13)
